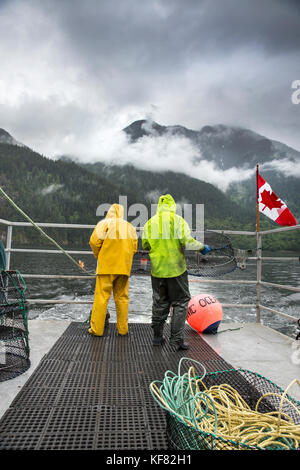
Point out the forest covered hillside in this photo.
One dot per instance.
(67, 191)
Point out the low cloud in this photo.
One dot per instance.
(51, 189)
(285, 166)
(156, 153)
(153, 196)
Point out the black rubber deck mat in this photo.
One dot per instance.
(92, 393)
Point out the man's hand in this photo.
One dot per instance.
(206, 249)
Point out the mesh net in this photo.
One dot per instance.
(219, 261)
(14, 344)
(141, 263)
(251, 387)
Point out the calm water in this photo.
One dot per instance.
(141, 295)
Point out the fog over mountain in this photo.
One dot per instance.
(218, 154)
(153, 160)
(224, 156)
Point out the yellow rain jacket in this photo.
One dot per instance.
(114, 242)
(166, 235)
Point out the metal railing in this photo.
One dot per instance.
(259, 259)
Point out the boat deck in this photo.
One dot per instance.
(90, 393)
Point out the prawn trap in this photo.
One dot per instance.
(220, 260)
(229, 410)
(14, 345)
(141, 263)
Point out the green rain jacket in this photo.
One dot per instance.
(166, 235)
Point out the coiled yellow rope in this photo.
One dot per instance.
(222, 412)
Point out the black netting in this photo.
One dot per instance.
(251, 388)
(14, 344)
(219, 261)
(183, 437)
(141, 263)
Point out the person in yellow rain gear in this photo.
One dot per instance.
(113, 242)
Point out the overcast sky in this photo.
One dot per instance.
(73, 73)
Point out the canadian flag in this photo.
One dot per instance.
(272, 206)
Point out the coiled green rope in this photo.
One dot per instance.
(175, 389)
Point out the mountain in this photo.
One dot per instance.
(51, 191)
(237, 148)
(65, 191)
(6, 138)
(68, 191)
(227, 146)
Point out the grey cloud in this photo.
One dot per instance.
(169, 31)
(71, 68)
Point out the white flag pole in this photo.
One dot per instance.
(258, 251)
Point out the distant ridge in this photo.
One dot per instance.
(68, 190)
(6, 138)
(227, 146)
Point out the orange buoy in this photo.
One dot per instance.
(204, 313)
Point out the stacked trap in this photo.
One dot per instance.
(14, 345)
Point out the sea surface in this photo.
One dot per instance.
(280, 272)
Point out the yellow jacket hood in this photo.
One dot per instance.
(116, 211)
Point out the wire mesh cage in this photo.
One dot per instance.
(14, 342)
(260, 394)
(141, 263)
(219, 261)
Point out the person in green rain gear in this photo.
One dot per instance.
(166, 235)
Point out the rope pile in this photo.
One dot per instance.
(222, 412)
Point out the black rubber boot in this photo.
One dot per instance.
(183, 346)
(158, 338)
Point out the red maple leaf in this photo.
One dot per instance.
(270, 200)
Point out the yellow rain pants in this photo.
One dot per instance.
(105, 284)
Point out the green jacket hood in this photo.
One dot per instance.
(166, 203)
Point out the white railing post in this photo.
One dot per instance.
(258, 275)
(8, 246)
